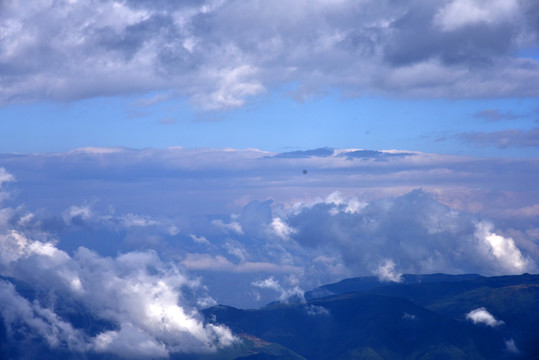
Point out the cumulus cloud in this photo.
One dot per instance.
(503, 250)
(386, 271)
(423, 234)
(233, 226)
(23, 318)
(142, 297)
(136, 291)
(482, 316)
(222, 53)
(412, 213)
(281, 229)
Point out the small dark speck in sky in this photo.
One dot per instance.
(304, 172)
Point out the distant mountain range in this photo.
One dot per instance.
(423, 317)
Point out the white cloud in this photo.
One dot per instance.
(281, 229)
(5, 176)
(511, 346)
(503, 250)
(294, 293)
(133, 220)
(173, 230)
(316, 310)
(130, 342)
(407, 316)
(386, 271)
(234, 86)
(236, 249)
(331, 235)
(136, 290)
(42, 321)
(233, 226)
(220, 263)
(482, 316)
(91, 150)
(269, 283)
(199, 239)
(82, 212)
(460, 13)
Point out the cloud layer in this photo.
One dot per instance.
(253, 227)
(220, 53)
(143, 307)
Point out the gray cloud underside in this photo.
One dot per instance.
(202, 181)
(221, 52)
(191, 194)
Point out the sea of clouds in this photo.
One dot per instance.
(140, 240)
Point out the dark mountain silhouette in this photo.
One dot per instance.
(371, 282)
(423, 317)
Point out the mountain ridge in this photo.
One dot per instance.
(422, 317)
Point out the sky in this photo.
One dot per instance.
(457, 77)
(159, 157)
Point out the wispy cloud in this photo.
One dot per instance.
(293, 293)
(493, 115)
(220, 263)
(503, 139)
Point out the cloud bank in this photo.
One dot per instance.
(251, 215)
(143, 306)
(221, 53)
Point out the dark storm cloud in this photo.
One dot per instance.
(221, 53)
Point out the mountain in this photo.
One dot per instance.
(248, 348)
(371, 282)
(423, 317)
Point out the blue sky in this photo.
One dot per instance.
(413, 76)
(242, 151)
(274, 122)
